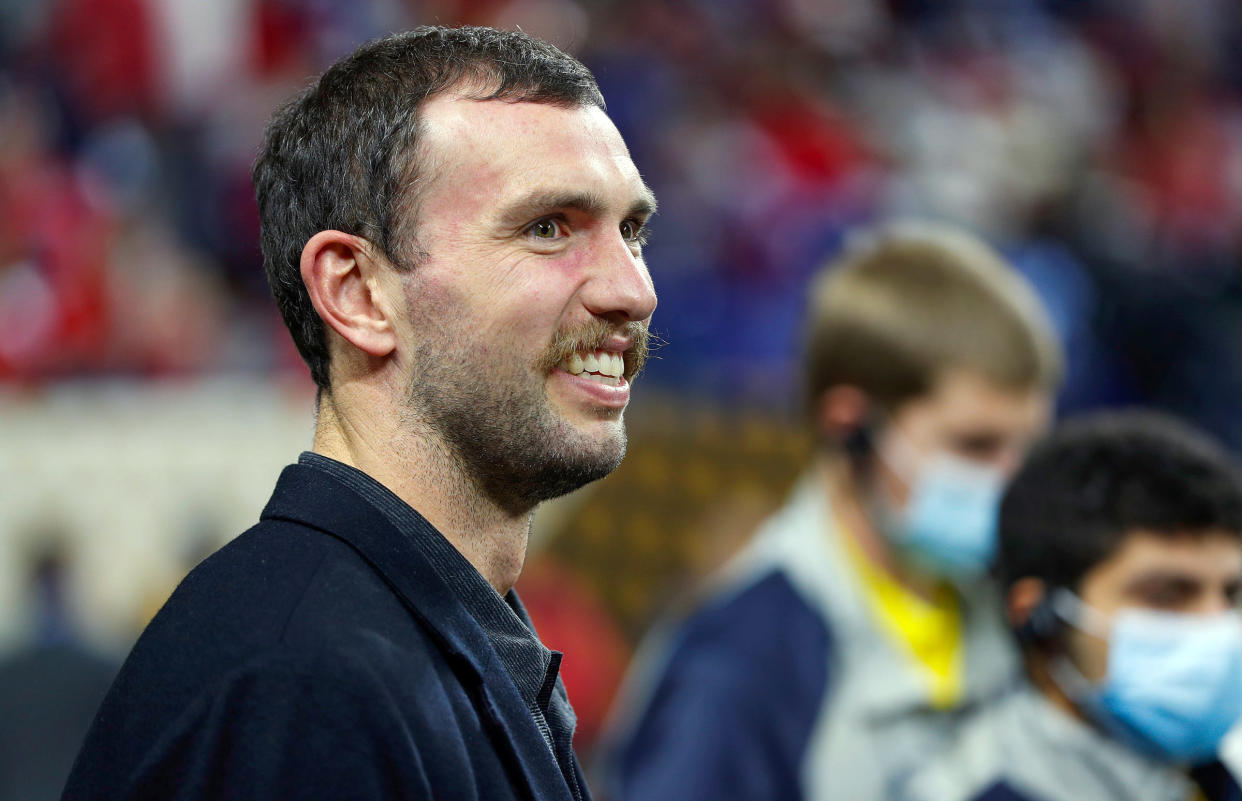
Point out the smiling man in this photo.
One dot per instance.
(453, 229)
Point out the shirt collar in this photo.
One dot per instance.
(532, 666)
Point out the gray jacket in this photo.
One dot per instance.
(1024, 748)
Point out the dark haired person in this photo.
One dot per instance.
(846, 640)
(1121, 558)
(452, 229)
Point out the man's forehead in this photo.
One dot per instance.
(1214, 552)
(524, 150)
(964, 402)
(459, 124)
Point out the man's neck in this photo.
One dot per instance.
(851, 508)
(412, 461)
(1039, 671)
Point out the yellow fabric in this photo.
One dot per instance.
(1197, 795)
(929, 631)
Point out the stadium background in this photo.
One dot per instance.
(149, 393)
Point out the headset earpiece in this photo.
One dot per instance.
(1042, 625)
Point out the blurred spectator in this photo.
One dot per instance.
(53, 248)
(49, 691)
(846, 640)
(1095, 142)
(1121, 559)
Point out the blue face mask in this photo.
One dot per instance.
(1174, 681)
(949, 523)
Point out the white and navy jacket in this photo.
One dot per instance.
(783, 686)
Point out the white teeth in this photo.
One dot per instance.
(606, 366)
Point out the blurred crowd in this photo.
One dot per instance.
(1096, 142)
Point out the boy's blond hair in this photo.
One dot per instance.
(907, 303)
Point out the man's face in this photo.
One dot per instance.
(967, 416)
(1198, 573)
(528, 315)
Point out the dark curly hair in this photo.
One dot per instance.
(342, 154)
(1099, 478)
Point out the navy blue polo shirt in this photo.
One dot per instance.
(340, 648)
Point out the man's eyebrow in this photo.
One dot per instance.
(541, 202)
(645, 206)
(1163, 576)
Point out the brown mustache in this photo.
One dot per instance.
(592, 336)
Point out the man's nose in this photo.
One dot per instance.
(1010, 458)
(1217, 602)
(620, 287)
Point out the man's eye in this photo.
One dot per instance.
(633, 231)
(1171, 592)
(981, 447)
(547, 228)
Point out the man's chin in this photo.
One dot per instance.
(565, 477)
(582, 458)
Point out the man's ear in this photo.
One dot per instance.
(842, 412)
(1029, 612)
(342, 278)
(842, 409)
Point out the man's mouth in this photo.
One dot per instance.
(603, 366)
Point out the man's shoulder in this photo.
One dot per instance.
(285, 623)
(726, 699)
(1016, 747)
(758, 639)
(279, 587)
(271, 583)
(285, 721)
(764, 607)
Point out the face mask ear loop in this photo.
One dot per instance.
(895, 451)
(1066, 675)
(892, 450)
(1079, 614)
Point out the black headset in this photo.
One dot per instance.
(859, 443)
(1043, 625)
